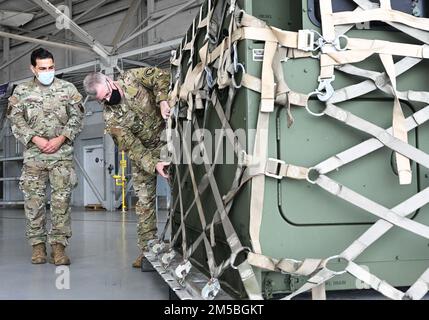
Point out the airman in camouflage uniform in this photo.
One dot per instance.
(135, 122)
(46, 119)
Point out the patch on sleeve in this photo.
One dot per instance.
(149, 72)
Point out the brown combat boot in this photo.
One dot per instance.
(39, 254)
(138, 262)
(58, 255)
(143, 263)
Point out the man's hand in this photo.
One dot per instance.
(165, 109)
(54, 144)
(40, 142)
(160, 168)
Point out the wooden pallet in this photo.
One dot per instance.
(95, 207)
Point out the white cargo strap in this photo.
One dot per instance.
(375, 232)
(205, 181)
(209, 251)
(289, 266)
(355, 52)
(368, 146)
(295, 98)
(417, 34)
(419, 289)
(278, 169)
(245, 270)
(328, 31)
(387, 139)
(368, 205)
(375, 283)
(380, 14)
(378, 80)
(402, 163)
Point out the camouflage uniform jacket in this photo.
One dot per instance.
(46, 112)
(136, 123)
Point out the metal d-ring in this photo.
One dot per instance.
(308, 175)
(326, 261)
(337, 42)
(243, 70)
(320, 114)
(234, 257)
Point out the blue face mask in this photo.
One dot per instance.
(46, 78)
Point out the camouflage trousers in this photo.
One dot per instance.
(145, 188)
(34, 179)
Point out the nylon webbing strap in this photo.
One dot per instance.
(399, 131)
(379, 133)
(368, 146)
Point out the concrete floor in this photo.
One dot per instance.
(102, 248)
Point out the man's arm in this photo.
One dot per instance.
(75, 112)
(144, 158)
(15, 114)
(156, 80)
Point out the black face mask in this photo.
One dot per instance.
(115, 98)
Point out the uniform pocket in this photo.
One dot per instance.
(63, 177)
(61, 113)
(33, 112)
(73, 178)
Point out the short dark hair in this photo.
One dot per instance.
(40, 53)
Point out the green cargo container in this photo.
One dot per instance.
(301, 220)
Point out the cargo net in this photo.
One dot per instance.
(336, 52)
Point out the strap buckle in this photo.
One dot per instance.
(152, 242)
(211, 289)
(307, 41)
(273, 168)
(183, 270)
(158, 248)
(167, 258)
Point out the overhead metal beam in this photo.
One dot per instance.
(89, 19)
(6, 56)
(151, 26)
(67, 35)
(140, 25)
(154, 47)
(136, 63)
(96, 46)
(78, 18)
(42, 35)
(44, 42)
(125, 22)
(10, 203)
